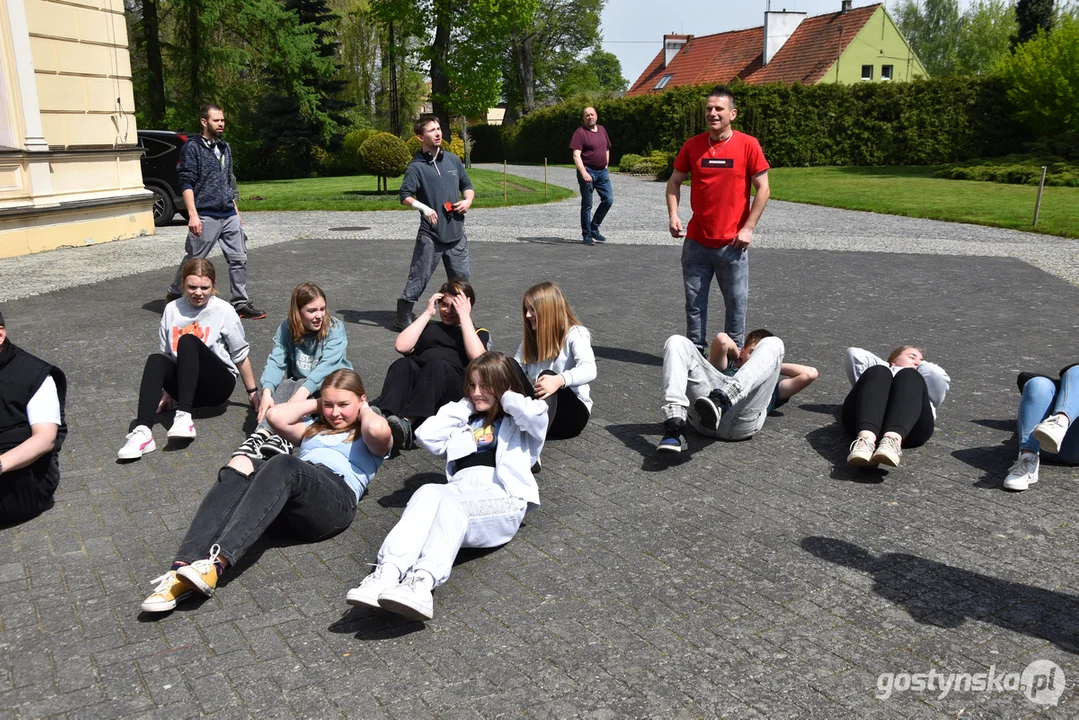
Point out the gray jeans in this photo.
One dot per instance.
(730, 267)
(233, 247)
(687, 375)
(281, 394)
(425, 259)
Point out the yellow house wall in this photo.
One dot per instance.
(878, 43)
(85, 101)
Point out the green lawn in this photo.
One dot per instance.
(359, 193)
(913, 191)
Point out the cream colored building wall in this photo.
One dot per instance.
(69, 163)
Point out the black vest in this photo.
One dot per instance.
(21, 374)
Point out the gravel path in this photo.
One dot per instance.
(638, 217)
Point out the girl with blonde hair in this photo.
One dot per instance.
(557, 359)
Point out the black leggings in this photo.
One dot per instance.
(880, 403)
(567, 415)
(197, 378)
(416, 391)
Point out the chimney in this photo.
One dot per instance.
(672, 44)
(778, 27)
(845, 8)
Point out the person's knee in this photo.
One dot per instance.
(428, 493)
(877, 371)
(188, 343)
(772, 344)
(1040, 387)
(676, 343)
(241, 464)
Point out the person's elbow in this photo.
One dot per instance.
(811, 374)
(378, 438)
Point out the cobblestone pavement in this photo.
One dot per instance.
(761, 578)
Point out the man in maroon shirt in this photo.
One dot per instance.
(591, 154)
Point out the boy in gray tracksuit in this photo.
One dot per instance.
(434, 183)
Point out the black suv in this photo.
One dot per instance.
(159, 172)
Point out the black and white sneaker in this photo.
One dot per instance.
(276, 445)
(252, 446)
(674, 438)
(710, 408)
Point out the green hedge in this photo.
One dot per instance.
(925, 122)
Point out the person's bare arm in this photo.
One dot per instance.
(41, 441)
(375, 431)
(473, 345)
(724, 351)
(407, 338)
(760, 199)
(580, 166)
(247, 376)
(287, 419)
(796, 378)
(674, 194)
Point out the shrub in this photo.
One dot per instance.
(1014, 170)
(487, 143)
(385, 155)
(414, 145)
(350, 150)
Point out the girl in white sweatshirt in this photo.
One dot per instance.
(557, 358)
(490, 439)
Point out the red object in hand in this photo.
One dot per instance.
(448, 206)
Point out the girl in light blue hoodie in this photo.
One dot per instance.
(307, 347)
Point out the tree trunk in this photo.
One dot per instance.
(154, 66)
(195, 50)
(526, 75)
(440, 82)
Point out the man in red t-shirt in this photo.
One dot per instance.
(592, 154)
(724, 164)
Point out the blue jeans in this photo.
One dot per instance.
(1040, 400)
(601, 183)
(730, 267)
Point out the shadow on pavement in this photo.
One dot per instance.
(642, 438)
(944, 596)
(997, 424)
(832, 444)
(400, 497)
(628, 356)
(993, 461)
(371, 318)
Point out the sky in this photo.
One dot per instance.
(633, 29)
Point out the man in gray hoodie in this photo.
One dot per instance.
(434, 184)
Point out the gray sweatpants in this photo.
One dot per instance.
(425, 259)
(687, 375)
(233, 247)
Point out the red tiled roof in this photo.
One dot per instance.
(720, 58)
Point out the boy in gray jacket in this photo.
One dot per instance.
(434, 183)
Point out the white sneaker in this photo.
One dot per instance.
(1023, 473)
(182, 425)
(888, 452)
(861, 451)
(138, 442)
(366, 593)
(1050, 432)
(412, 599)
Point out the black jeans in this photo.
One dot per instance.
(198, 378)
(880, 402)
(302, 501)
(566, 414)
(27, 492)
(416, 391)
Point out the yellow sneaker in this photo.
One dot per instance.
(170, 590)
(202, 574)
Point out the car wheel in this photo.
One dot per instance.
(164, 210)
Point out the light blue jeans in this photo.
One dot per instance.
(730, 267)
(1040, 400)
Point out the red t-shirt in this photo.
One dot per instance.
(593, 146)
(721, 177)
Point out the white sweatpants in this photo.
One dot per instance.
(471, 511)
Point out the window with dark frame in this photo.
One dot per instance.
(885, 72)
(867, 72)
(663, 82)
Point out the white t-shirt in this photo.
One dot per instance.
(44, 406)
